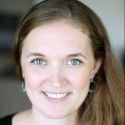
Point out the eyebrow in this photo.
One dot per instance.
(77, 55)
(70, 55)
(36, 54)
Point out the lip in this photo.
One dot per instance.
(54, 97)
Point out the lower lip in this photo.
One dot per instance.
(54, 100)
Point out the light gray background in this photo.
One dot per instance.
(12, 99)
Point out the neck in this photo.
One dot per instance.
(38, 118)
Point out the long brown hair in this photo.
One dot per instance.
(105, 106)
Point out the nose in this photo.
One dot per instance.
(57, 77)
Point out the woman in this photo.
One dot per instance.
(64, 59)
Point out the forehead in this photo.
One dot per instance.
(57, 36)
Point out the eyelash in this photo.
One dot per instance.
(76, 62)
(38, 61)
(70, 62)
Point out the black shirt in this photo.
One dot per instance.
(7, 120)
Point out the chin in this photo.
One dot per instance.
(56, 115)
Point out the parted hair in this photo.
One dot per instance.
(105, 106)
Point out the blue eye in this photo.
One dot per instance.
(38, 61)
(75, 62)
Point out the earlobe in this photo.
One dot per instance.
(23, 76)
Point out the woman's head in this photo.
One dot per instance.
(72, 17)
(73, 11)
(57, 62)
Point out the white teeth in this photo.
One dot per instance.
(56, 96)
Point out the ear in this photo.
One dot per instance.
(96, 67)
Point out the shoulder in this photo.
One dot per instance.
(7, 120)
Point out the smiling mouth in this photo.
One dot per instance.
(55, 96)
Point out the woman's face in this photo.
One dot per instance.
(57, 65)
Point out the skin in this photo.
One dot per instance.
(56, 58)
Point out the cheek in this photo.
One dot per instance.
(32, 77)
(80, 79)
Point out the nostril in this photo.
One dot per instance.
(57, 78)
